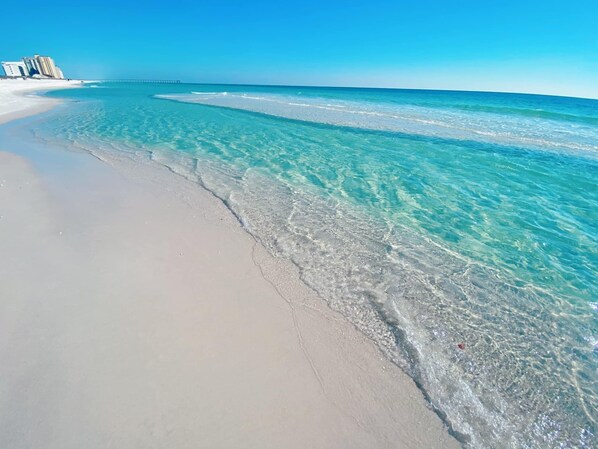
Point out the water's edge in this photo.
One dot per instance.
(389, 313)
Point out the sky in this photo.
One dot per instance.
(534, 46)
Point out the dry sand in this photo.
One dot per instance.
(15, 103)
(135, 312)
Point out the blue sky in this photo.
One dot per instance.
(521, 46)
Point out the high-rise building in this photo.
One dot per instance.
(47, 67)
(15, 68)
(36, 66)
(31, 65)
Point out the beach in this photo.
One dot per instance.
(16, 103)
(137, 312)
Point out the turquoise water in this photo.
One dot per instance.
(428, 219)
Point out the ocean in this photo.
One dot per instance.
(457, 230)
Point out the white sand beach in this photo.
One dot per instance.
(135, 312)
(15, 103)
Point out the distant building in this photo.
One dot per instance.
(36, 66)
(47, 67)
(32, 67)
(15, 69)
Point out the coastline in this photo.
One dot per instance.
(149, 317)
(15, 104)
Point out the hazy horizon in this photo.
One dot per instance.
(200, 83)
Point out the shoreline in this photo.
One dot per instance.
(15, 104)
(191, 333)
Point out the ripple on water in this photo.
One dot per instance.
(471, 264)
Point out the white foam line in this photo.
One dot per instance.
(400, 122)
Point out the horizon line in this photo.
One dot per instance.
(373, 88)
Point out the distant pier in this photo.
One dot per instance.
(143, 81)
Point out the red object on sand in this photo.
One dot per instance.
(461, 346)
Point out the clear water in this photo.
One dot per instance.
(428, 219)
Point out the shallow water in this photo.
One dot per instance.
(429, 219)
